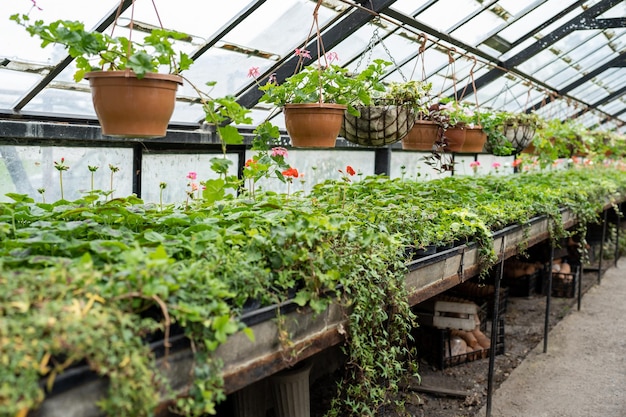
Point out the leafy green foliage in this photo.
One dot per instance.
(95, 51)
(330, 84)
(89, 281)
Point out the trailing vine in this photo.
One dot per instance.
(90, 282)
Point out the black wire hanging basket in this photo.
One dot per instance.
(378, 125)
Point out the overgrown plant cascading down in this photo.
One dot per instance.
(92, 281)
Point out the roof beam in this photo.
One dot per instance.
(330, 38)
(618, 61)
(548, 22)
(617, 22)
(100, 27)
(572, 25)
(229, 26)
(604, 100)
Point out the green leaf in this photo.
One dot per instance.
(214, 190)
(140, 63)
(230, 135)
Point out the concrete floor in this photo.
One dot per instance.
(583, 373)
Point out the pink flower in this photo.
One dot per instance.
(279, 151)
(192, 175)
(474, 164)
(194, 186)
(254, 72)
(303, 53)
(496, 165)
(447, 106)
(332, 57)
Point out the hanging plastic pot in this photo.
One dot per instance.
(131, 107)
(422, 136)
(313, 125)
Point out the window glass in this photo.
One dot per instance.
(31, 170)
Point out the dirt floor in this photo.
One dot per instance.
(524, 330)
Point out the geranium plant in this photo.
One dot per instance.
(94, 50)
(455, 113)
(326, 83)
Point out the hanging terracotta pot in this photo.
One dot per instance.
(475, 139)
(422, 136)
(313, 125)
(530, 149)
(455, 138)
(131, 107)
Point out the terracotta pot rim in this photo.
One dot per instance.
(130, 74)
(310, 105)
(425, 122)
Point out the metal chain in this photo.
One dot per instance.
(393, 61)
(370, 49)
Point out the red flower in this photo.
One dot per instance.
(350, 170)
(291, 172)
(250, 162)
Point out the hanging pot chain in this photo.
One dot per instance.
(370, 49)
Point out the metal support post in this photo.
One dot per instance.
(382, 161)
(617, 227)
(546, 326)
(602, 245)
(494, 327)
(578, 276)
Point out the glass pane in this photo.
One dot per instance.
(409, 7)
(180, 15)
(516, 7)
(315, 166)
(473, 32)
(273, 20)
(56, 101)
(533, 19)
(173, 171)
(30, 170)
(445, 14)
(589, 92)
(13, 86)
(613, 106)
(27, 48)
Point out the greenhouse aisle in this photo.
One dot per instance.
(583, 373)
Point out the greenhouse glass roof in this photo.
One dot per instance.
(562, 58)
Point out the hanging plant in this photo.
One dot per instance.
(131, 98)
